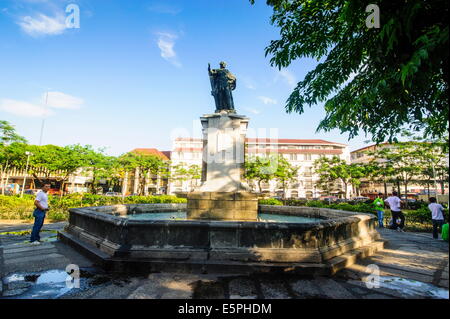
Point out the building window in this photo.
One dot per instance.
(307, 157)
(308, 171)
(293, 157)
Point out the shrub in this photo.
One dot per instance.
(14, 207)
(270, 201)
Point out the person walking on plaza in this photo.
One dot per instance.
(394, 203)
(41, 203)
(437, 216)
(379, 207)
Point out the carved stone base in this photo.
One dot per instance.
(238, 206)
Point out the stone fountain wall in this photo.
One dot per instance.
(318, 246)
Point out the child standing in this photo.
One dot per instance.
(379, 207)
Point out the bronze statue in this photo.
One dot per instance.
(222, 83)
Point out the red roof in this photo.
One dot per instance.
(150, 151)
(288, 141)
(370, 146)
(167, 153)
(282, 151)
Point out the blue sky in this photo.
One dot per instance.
(134, 74)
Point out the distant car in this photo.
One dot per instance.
(329, 198)
(54, 191)
(360, 198)
(112, 194)
(31, 191)
(7, 192)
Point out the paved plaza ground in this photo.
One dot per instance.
(412, 265)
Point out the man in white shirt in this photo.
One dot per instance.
(437, 216)
(41, 203)
(394, 203)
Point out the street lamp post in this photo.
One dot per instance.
(26, 172)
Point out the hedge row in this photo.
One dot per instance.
(421, 215)
(14, 207)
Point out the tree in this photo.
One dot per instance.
(372, 79)
(8, 134)
(57, 162)
(184, 172)
(285, 173)
(380, 170)
(98, 165)
(143, 165)
(336, 169)
(12, 156)
(260, 169)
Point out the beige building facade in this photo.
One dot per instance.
(300, 153)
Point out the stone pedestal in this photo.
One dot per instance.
(223, 195)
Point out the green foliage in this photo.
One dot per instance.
(372, 79)
(336, 169)
(270, 201)
(8, 134)
(274, 166)
(260, 169)
(14, 207)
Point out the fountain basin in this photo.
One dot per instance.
(329, 242)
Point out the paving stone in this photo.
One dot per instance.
(306, 288)
(14, 292)
(21, 249)
(443, 283)
(18, 285)
(333, 289)
(166, 286)
(274, 290)
(242, 288)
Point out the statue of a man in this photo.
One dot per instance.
(222, 83)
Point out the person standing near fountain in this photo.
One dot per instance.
(41, 203)
(394, 203)
(437, 216)
(379, 207)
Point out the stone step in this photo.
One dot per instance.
(27, 248)
(31, 259)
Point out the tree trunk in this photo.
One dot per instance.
(345, 190)
(385, 188)
(6, 182)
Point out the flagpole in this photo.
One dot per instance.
(43, 121)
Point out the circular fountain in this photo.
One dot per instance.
(221, 228)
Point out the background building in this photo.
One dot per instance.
(300, 153)
(371, 188)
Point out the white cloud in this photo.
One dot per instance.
(61, 100)
(288, 77)
(267, 100)
(254, 111)
(21, 108)
(166, 43)
(164, 8)
(43, 24)
(56, 100)
(248, 82)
